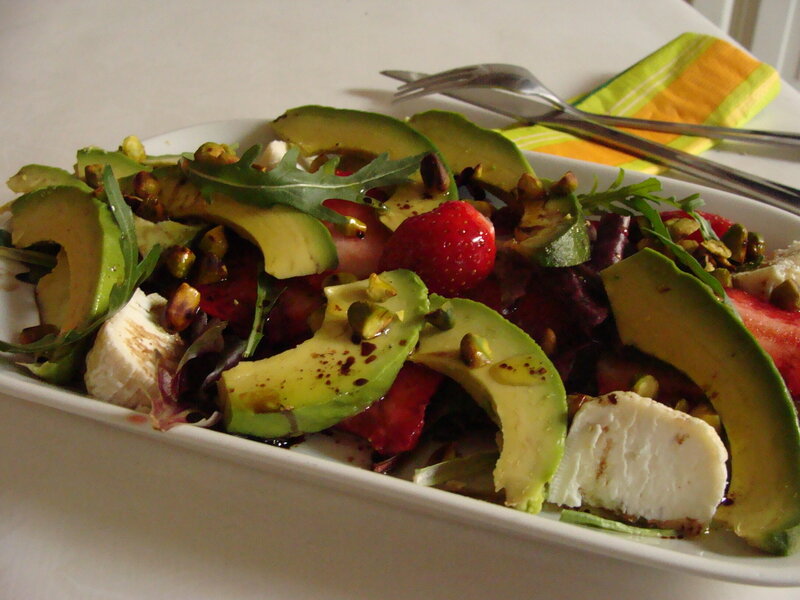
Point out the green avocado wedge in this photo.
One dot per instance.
(90, 260)
(331, 376)
(673, 316)
(121, 164)
(321, 129)
(33, 177)
(465, 144)
(558, 233)
(272, 229)
(518, 387)
(89, 264)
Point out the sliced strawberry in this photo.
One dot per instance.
(488, 292)
(234, 299)
(620, 371)
(451, 248)
(778, 332)
(358, 255)
(394, 423)
(288, 322)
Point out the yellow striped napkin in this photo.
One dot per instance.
(694, 79)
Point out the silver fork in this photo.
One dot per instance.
(524, 108)
(521, 81)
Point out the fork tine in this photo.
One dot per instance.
(431, 81)
(424, 90)
(450, 75)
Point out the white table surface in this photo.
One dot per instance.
(88, 511)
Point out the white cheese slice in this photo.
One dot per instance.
(640, 458)
(784, 265)
(122, 366)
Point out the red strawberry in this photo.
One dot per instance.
(778, 332)
(451, 248)
(287, 323)
(234, 299)
(620, 372)
(393, 424)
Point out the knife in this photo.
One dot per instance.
(522, 109)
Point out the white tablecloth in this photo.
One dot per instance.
(88, 511)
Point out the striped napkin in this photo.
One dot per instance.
(694, 79)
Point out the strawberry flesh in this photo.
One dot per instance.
(394, 423)
(620, 371)
(359, 254)
(234, 299)
(288, 322)
(451, 248)
(778, 332)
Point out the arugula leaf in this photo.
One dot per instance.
(134, 274)
(616, 196)
(640, 198)
(292, 186)
(263, 308)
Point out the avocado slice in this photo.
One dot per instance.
(121, 164)
(671, 315)
(331, 376)
(90, 261)
(553, 232)
(163, 233)
(321, 129)
(273, 230)
(520, 389)
(33, 177)
(465, 144)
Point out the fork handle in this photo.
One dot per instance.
(721, 176)
(709, 131)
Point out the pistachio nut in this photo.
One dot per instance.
(214, 241)
(434, 174)
(181, 308)
(378, 289)
(368, 319)
(179, 261)
(475, 351)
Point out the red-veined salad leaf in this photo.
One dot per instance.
(167, 410)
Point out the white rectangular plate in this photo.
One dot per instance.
(718, 555)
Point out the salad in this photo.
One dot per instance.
(622, 356)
